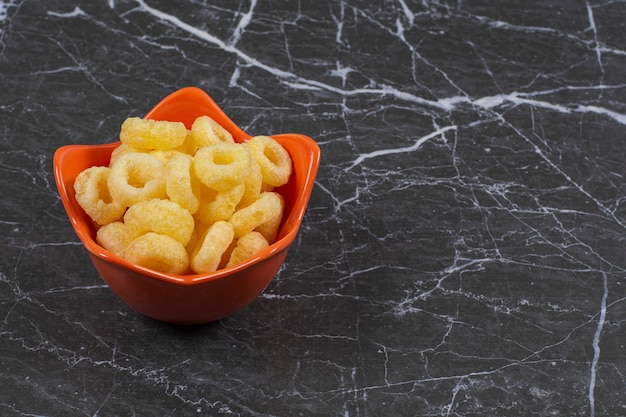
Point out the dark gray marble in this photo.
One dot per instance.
(463, 253)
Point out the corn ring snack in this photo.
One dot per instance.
(206, 131)
(222, 206)
(114, 237)
(269, 229)
(273, 159)
(160, 216)
(159, 252)
(92, 194)
(119, 151)
(146, 134)
(227, 253)
(188, 145)
(266, 207)
(253, 183)
(135, 177)
(222, 166)
(198, 233)
(181, 184)
(247, 246)
(185, 201)
(165, 156)
(208, 254)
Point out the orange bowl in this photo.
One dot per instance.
(195, 298)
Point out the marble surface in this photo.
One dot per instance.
(463, 253)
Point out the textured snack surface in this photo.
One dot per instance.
(144, 134)
(92, 194)
(185, 201)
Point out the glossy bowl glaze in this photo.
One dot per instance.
(198, 298)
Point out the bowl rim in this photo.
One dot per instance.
(197, 96)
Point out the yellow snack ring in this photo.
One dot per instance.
(165, 156)
(198, 233)
(269, 229)
(222, 166)
(92, 194)
(273, 159)
(253, 183)
(114, 237)
(247, 246)
(266, 207)
(221, 207)
(119, 151)
(181, 184)
(188, 146)
(206, 131)
(158, 252)
(135, 177)
(145, 134)
(160, 216)
(208, 254)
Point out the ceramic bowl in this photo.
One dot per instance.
(199, 298)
